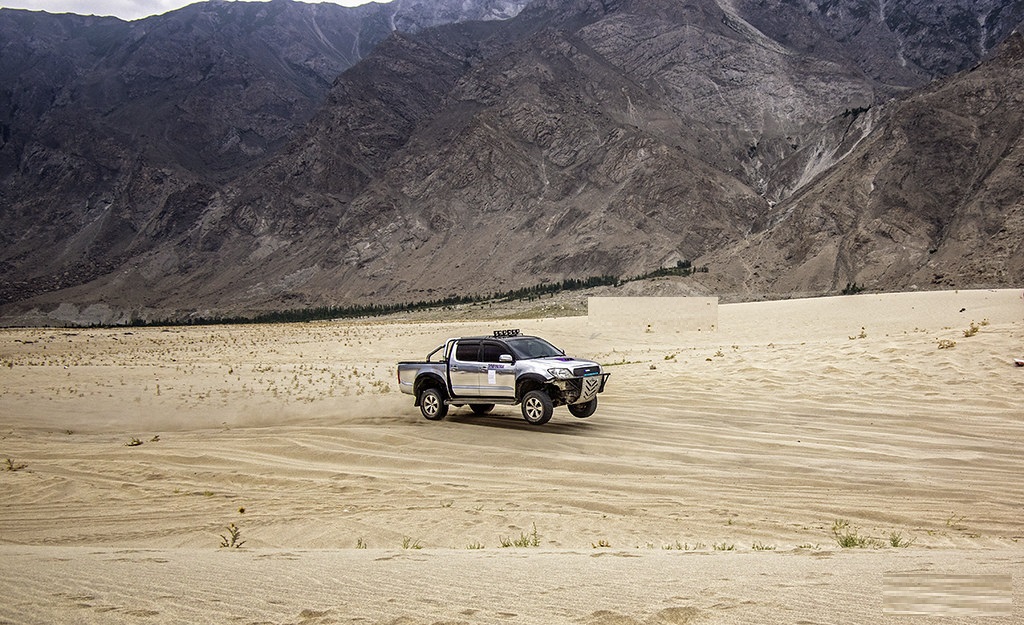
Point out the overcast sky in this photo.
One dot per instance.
(125, 9)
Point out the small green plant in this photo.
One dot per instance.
(762, 547)
(409, 543)
(134, 442)
(684, 546)
(601, 544)
(231, 541)
(525, 540)
(863, 335)
(155, 439)
(447, 504)
(848, 537)
(360, 543)
(475, 546)
(971, 330)
(852, 288)
(896, 540)
(956, 521)
(670, 356)
(946, 344)
(724, 547)
(12, 466)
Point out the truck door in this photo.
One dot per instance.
(466, 370)
(498, 378)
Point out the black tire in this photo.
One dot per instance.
(537, 407)
(432, 404)
(582, 411)
(481, 409)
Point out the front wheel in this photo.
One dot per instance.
(537, 407)
(584, 410)
(432, 404)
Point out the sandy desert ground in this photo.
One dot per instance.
(710, 487)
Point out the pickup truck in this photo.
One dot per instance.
(507, 368)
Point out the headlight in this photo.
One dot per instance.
(560, 373)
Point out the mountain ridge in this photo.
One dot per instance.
(579, 138)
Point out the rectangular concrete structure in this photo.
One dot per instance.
(660, 315)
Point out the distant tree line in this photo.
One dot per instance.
(682, 268)
(321, 313)
(572, 284)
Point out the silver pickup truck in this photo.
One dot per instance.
(507, 368)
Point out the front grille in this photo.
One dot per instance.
(586, 371)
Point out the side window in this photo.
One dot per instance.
(491, 352)
(467, 351)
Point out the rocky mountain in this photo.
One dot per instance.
(113, 134)
(931, 197)
(582, 137)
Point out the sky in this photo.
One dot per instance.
(125, 9)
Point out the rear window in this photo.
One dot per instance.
(467, 351)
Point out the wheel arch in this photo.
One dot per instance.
(426, 381)
(529, 382)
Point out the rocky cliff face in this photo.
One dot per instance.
(114, 135)
(932, 197)
(583, 137)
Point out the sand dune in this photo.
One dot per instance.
(707, 488)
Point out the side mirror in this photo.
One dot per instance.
(505, 358)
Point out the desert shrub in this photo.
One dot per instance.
(896, 540)
(231, 541)
(409, 543)
(848, 537)
(525, 540)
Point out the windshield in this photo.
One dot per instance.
(532, 347)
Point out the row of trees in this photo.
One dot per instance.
(320, 313)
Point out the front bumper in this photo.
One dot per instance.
(582, 389)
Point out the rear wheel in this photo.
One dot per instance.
(584, 410)
(537, 407)
(432, 404)
(481, 409)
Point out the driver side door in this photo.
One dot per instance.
(499, 376)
